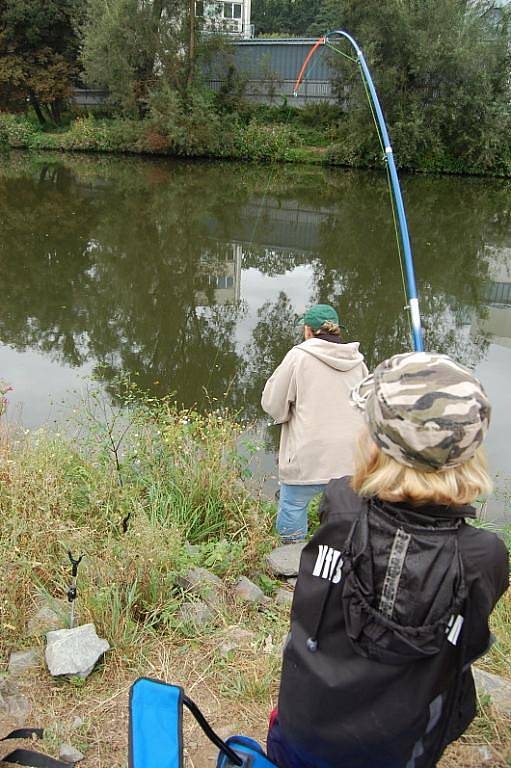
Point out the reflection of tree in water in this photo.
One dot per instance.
(120, 274)
(45, 262)
(450, 222)
(120, 262)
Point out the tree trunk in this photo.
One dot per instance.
(191, 47)
(34, 101)
(56, 111)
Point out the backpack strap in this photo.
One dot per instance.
(27, 756)
(454, 693)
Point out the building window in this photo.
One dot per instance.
(232, 10)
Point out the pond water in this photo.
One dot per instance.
(191, 274)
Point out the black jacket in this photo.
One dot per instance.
(349, 711)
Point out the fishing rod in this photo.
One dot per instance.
(398, 207)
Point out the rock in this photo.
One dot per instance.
(199, 614)
(77, 723)
(204, 584)
(498, 688)
(285, 560)
(12, 702)
(284, 597)
(248, 591)
(69, 754)
(45, 620)
(74, 651)
(235, 639)
(23, 661)
(292, 582)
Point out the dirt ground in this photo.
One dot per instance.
(102, 705)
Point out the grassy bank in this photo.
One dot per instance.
(144, 505)
(237, 140)
(311, 135)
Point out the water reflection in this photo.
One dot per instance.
(192, 274)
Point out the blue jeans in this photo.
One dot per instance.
(293, 504)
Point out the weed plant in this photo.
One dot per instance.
(136, 491)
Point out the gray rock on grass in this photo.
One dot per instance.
(198, 614)
(203, 583)
(12, 702)
(498, 688)
(284, 597)
(248, 591)
(235, 639)
(23, 661)
(285, 560)
(69, 754)
(74, 651)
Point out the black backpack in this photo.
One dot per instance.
(404, 585)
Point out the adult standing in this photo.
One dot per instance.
(309, 395)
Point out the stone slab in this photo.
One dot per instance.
(74, 651)
(285, 560)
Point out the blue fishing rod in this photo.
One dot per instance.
(397, 198)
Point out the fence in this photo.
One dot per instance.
(268, 69)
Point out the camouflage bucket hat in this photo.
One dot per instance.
(424, 410)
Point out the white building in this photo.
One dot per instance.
(227, 16)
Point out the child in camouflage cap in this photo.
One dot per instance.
(395, 588)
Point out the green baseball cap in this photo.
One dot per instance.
(319, 314)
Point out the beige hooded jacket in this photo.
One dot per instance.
(309, 394)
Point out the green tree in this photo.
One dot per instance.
(286, 17)
(38, 54)
(441, 68)
(135, 47)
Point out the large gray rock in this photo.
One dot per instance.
(285, 560)
(23, 661)
(74, 651)
(498, 688)
(69, 754)
(12, 702)
(248, 591)
(198, 614)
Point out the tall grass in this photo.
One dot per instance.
(129, 496)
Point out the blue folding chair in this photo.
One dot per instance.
(156, 730)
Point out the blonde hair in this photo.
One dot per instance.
(377, 474)
(328, 327)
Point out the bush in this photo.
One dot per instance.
(16, 131)
(185, 126)
(265, 142)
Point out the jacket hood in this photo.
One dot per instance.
(388, 563)
(342, 357)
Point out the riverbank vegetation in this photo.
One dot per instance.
(146, 493)
(441, 69)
